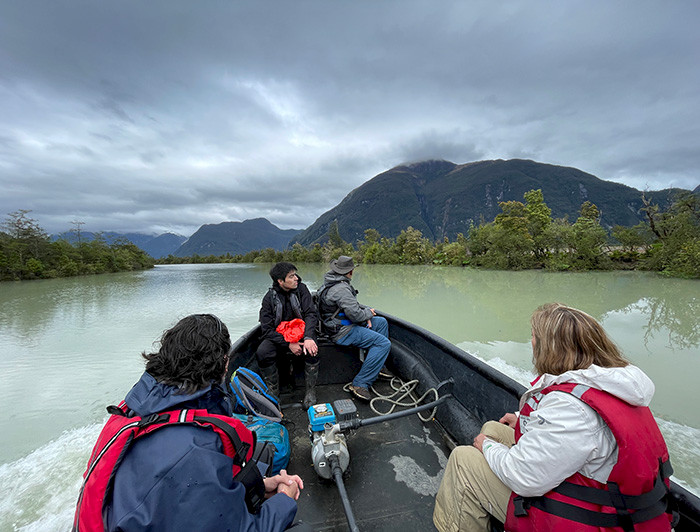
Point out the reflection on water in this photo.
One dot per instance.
(72, 346)
(679, 323)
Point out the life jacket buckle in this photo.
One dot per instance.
(149, 420)
(520, 506)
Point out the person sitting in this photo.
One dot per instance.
(583, 444)
(347, 322)
(179, 476)
(286, 300)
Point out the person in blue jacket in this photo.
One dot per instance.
(178, 478)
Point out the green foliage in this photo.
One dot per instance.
(677, 249)
(588, 239)
(27, 253)
(413, 248)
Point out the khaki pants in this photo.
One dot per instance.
(470, 491)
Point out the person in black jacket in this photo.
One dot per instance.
(287, 299)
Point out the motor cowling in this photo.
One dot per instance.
(326, 438)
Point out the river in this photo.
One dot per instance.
(69, 347)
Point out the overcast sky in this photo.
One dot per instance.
(155, 116)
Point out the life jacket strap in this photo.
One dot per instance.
(597, 519)
(240, 446)
(607, 497)
(630, 509)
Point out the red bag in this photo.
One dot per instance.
(293, 331)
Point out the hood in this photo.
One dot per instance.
(148, 396)
(630, 383)
(332, 277)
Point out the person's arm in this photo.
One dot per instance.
(561, 438)
(267, 322)
(308, 311)
(349, 305)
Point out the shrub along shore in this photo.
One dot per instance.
(523, 236)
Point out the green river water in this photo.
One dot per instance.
(69, 347)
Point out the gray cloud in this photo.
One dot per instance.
(166, 115)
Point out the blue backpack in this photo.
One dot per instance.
(273, 437)
(252, 396)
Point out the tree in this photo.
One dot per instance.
(334, 235)
(511, 244)
(539, 217)
(413, 248)
(588, 239)
(677, 251)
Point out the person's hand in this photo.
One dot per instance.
(284, 483)
(295, 348)
(479, 442)
(291, 490)
(509, 419)
(369, 324)
(310, 347)
(374, 313)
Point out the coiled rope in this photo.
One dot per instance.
(402, 391)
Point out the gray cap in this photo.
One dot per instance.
(342, 265)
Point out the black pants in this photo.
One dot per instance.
(268, 352)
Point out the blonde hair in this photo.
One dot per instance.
(567, 338)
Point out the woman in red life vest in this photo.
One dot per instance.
(583, 453)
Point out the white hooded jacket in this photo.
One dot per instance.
(564, 435)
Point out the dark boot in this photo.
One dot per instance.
(311, 376)
(272, 379)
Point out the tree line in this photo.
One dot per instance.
(27, 252)
(523, 236)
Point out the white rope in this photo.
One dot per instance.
(402, 390)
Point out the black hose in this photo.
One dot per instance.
(338, 476)
(355, 423)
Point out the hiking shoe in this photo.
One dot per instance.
(385, 374)
(360, 393)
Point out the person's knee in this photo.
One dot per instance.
(491, 427)
(465, 458)
(266, 354)
(380, 321)
(499, 432)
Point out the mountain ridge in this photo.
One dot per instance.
(441, 198)
(236, 238)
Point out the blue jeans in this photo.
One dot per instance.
(376, 341)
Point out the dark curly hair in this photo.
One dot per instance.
(280, 270)
(192, 354)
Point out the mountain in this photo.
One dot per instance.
(441, 198)
(236, 238)
(156, 246)
(163, 245)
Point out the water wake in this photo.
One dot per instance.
(41, 489)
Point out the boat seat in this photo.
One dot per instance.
(339, 364)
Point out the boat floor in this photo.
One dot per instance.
(394, 473)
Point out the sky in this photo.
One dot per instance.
(160, 116)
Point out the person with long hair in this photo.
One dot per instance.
(583, 453)
(172, 458)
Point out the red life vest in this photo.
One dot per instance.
(121, 431)
(637, 491)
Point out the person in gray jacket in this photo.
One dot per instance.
(347, 322)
